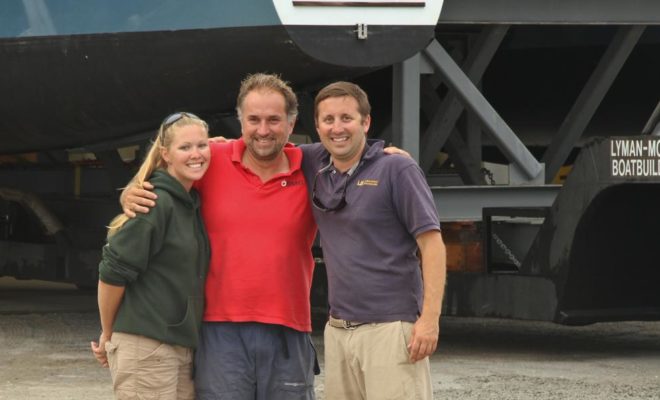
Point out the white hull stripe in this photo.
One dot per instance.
(347, 15)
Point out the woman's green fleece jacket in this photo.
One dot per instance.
(161, 258)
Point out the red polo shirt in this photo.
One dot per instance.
(261, 236)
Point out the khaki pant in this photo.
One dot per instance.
(144, 368)
(371, 362)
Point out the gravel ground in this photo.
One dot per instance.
(45, 334)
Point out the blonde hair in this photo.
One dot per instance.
(153, 160)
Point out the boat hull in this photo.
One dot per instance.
(72, 91)
(107, 72)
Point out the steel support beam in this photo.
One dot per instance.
(495, 126)
(652, 126)
(465, 203)
(466, 165)
(579, 12)
(405, 105)
(451, 108)
(590, 98)
(473, 137)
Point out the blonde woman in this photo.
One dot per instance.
(151, 276)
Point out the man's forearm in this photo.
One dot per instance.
(434, 272)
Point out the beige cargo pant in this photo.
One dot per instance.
(370, 362)
(144, 368)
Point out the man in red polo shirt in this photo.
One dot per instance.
(254, 341)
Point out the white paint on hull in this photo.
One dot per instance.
(333, 15)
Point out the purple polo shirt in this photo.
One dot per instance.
(369, 246)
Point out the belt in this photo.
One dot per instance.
(342, 323)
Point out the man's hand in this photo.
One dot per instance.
(220, 139)
(99, 350)
(134, 199)
(424, 339)
(396, 150)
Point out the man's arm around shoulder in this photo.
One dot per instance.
(137, 199)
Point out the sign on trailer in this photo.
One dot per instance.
(634, 158)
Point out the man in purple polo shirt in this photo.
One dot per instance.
(378, 226)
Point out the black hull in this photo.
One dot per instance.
(72, 91)
(384, 45)
(82, 90)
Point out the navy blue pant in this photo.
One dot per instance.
(254, 361)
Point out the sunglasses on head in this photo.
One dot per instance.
(172, 118)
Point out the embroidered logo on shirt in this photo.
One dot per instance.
(286, 183)
(367, 182)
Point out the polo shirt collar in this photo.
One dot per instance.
(373, 149)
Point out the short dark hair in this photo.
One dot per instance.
(341, 89)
